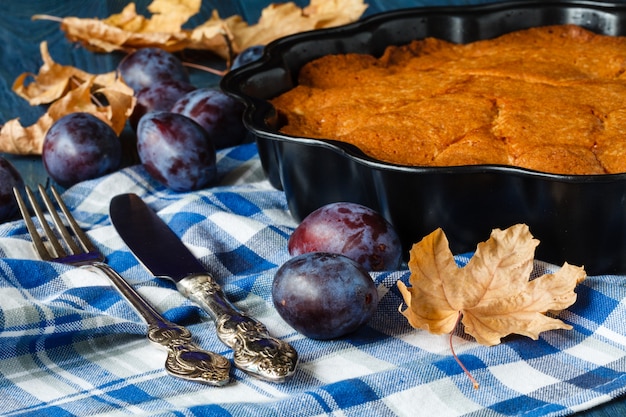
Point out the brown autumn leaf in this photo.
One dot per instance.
(54, 80)
(69, 90)
(278, 20)
(493, 292)
(17, 139)
(128, 30)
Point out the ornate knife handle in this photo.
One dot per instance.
(184, 358)
(255, 351)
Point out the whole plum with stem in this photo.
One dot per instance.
(324, 295)
(218, 113)
(146, 66)
(350, 229)
(79, 147)
(176, 151)
(9, 178)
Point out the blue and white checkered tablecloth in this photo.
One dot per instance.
(71, 346)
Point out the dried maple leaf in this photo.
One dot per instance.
(170, 15)
(69, 90)
(54, 80)
(20, 140)
(128, 30)
(17, 139)
(278, 20)
(493, 292)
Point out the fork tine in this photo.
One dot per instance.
(40, 247)
(82, 237)
(58, 223)
(43, 222)
(58, 248)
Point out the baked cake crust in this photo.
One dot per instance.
(552, 99)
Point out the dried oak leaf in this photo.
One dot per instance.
(69, 90)
(493, 292)
(128, 30)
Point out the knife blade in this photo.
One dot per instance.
(162, 252)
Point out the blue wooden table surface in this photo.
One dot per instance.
(20, 37)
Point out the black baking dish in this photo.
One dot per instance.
(578, 219)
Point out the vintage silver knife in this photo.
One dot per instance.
(160, 250)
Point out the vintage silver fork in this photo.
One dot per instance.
(185, 359)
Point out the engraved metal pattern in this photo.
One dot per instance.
(255, 351)
(185, 359)
(163, 334)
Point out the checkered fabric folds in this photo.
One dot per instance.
(71, 346)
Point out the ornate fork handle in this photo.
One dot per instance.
(255, 351)
(185, 359)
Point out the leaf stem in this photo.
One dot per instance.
(204, 68)
(469, 375)
(46, 17)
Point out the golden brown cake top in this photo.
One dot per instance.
(549, 98)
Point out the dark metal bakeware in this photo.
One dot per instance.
(579, 219)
